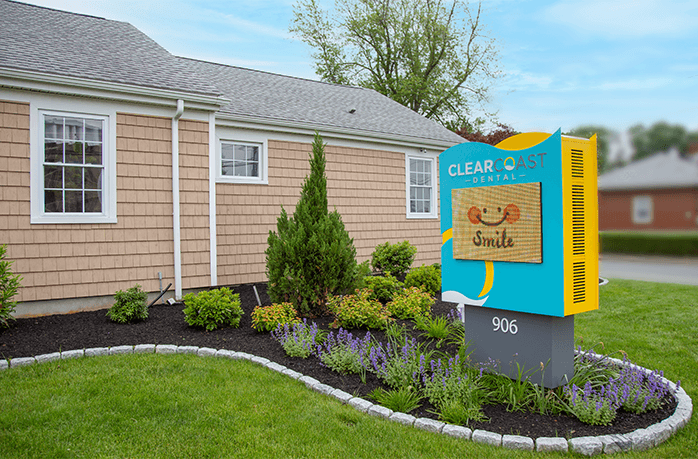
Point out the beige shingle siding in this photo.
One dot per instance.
(366, 186)
(193, 182)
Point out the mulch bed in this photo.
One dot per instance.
(165, 325)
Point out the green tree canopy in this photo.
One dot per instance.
(661, 136)
(428, 55)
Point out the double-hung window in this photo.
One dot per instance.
(71, 173)
(242, 162)
(421, 187)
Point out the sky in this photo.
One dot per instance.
(563, 64)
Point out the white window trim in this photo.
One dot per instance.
(263, 169)
(434, 184)
(644, 201)
(38, 214)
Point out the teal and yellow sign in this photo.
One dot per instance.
(519, 223)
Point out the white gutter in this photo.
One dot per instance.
(212, 172)
(176, 223)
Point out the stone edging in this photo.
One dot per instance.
(638, 440)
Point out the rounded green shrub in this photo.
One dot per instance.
(427, 278)
(358, 310)
(129, 306)
(9, 285)
(384, 287)
(213, 308)
(411, 303)
(268, 318)
(395, 259)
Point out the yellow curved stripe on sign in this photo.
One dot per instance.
(448, 234)
(489, 278)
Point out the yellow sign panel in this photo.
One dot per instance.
(498, 223)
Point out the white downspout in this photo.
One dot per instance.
(176, 223)
(212, 172)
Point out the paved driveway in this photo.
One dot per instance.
(649, 268)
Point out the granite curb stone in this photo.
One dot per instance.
(49, 357)
(637, 440)
(517, 442)
(548, 444)
(144, 349)
(120, 350)
(429, 425)
(488, 438)
(587, 446)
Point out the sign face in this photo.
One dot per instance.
(502, 238)
(498, 223)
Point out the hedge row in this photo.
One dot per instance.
(650, 243)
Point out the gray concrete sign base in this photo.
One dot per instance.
(519, 343)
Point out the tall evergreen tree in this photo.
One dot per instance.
(311, 255)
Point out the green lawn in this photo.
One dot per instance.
(186, 406)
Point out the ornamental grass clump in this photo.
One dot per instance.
(213, 308)
(411, 303)
(298, 339)
(358, 311)
(268, 318)
(129, 306)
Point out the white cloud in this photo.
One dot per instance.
(626, 18)
(636, 84)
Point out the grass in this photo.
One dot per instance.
(186, 406)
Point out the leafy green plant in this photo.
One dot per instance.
(343, 353)
(437, 327)
(311, 255)
(129, 306)
(403, 399)
(411, 303)
(453, 384)
(9, 285)
(427, 278)
(298, 339)
(358, 310)
(268, 318)
(213, 308)
(395, 259)
(384, 287)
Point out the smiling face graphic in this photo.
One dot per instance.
(510, 214)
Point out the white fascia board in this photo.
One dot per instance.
(266, 124)
(60, 84)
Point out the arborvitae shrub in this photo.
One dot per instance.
(9, 284)
(395, 259)
(427, 278)
(310, 256)
(129, 306)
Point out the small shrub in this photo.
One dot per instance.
(129, 306)
(395, 259)
(384, 287)
(438, 327)
(299, 339)
(268, 318)
(212, 309)
(343, 353)
(594, 407)
(427, 278)
(450, 385)
(363, 273)
(9, 284)
(358, 310)
(411, 303)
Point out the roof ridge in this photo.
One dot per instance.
(247, 69)
(63, 11)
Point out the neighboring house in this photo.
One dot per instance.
(120, 161)
(659, 192)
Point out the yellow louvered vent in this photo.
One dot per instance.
(578, 227)
(577, 157)
(578, 282)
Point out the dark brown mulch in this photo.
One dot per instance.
(166, 325)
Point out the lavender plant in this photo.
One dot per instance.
(298, 339)
(639, 391)
(595, 407)
(343, 353)
(452, 388)
(399, 364)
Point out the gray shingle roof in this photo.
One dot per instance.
(661, 170)
(281, 98)
(56, 42)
